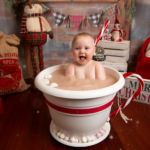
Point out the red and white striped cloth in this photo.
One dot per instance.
(127, 102)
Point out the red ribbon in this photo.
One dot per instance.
(80, 111)
(132, 97)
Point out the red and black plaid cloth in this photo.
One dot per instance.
(36, 38)
(23, 28)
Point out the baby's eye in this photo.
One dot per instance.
(77, 48)
(86, 48)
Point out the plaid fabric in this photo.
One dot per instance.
(41, 57)
(33, 60)
(110, 12)
(23, 28)
(95, 19)
(35, 66)
(59, 18)
(76, 21)
(34, 15)
(36, 38)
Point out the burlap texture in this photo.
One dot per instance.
(11, 78)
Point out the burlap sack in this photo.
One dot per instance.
(11, 79)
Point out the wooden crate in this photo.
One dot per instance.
(121, 67)
(116, 54)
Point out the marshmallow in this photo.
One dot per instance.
(66, 138)
(98, 135)
(58, 134)
(47, 76)
(89, 138)
(46, 81)
(74, 140)
(62, 135)
(84, 139)
(54, 85)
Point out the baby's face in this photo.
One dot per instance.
(83, 49)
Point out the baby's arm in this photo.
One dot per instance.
(70, 71)
(99, 71)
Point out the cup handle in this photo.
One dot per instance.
(140, 79)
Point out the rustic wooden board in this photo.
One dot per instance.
(115, 45)
(122, 67)
(110, 52)
(116, 59)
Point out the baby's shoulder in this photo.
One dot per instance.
(95, 63)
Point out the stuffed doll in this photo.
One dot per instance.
(117, 34)
(34, 30)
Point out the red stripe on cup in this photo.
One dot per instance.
(80, 111)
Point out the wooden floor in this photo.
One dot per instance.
(25, 126)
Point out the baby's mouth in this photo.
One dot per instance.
(82, 58)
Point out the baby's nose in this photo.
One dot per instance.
(82, 50)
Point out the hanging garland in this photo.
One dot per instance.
(79, 22)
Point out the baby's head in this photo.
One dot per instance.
(83, 48)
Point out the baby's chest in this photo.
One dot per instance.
(85, 72)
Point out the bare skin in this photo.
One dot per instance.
(84, 67)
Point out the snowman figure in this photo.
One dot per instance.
(33, 21)
(34, 30)
(117, 34)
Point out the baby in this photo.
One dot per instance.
(83, 67)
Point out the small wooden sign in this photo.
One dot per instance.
(131, 85)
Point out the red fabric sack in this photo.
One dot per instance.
(143, 62)
(11, 78)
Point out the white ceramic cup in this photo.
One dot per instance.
(79, 113)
